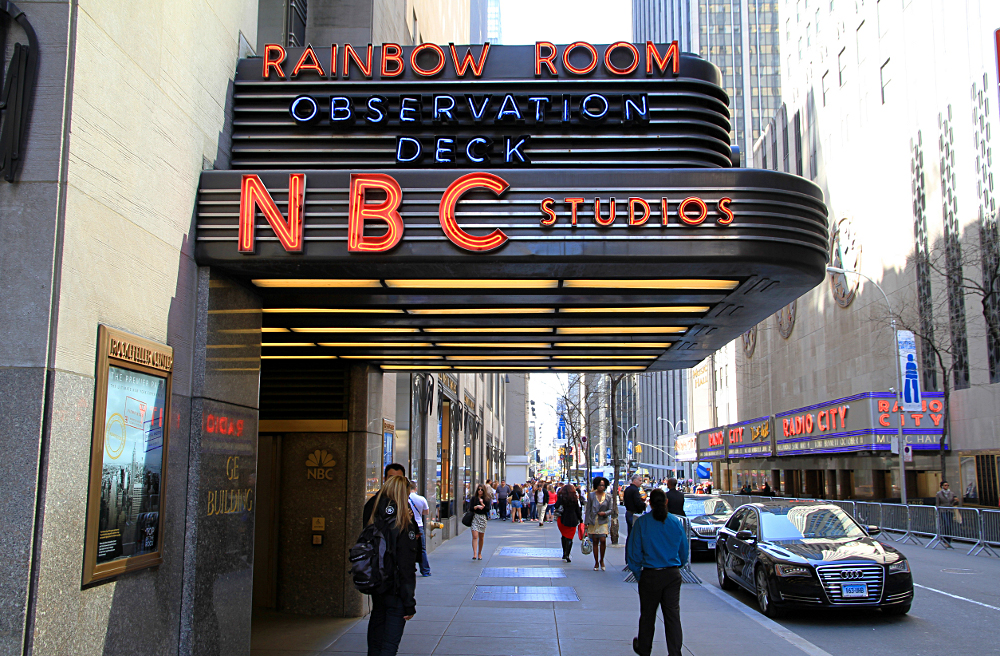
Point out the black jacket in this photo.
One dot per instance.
(569, 510)
(633, 500)
(407, 551)
(675, 502)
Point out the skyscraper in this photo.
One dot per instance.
(738, 36)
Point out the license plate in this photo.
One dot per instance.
(854, 590)
(711, 544)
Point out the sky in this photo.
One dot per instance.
(561, 22)
(565, 21)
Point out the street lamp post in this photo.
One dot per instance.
(899, 378)
(676, 429)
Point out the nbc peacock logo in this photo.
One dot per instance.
(319, 465)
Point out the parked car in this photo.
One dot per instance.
(803, 553)
(707, 514)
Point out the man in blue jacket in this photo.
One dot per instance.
(657, 549)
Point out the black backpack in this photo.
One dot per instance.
(373, 557)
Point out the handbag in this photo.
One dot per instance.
(581, 532)
(586, 546)
(467, 518)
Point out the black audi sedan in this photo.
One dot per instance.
(708, 514)
(809, 554)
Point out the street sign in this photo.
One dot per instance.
(894, 445)
(911, 392)
(908, 453)
(607, 454)
(629, 449)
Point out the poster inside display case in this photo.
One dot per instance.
(128, 467)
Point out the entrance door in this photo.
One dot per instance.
(265, 542)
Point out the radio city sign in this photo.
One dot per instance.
(712, 444)
(750, 439)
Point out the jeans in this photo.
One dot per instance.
(502, 507)
(531, 515)
(660, 588)
(425, 565)
(946, 519)
(629, 520)
(385, 625)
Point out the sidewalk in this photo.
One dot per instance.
(452, 619)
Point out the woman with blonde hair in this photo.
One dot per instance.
(390, 511)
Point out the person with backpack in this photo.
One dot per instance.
(384, 564)
(568, 516)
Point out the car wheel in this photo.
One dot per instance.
(725, 582)
(900, 609)
(764, 595)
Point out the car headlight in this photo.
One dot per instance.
(901, 566)
(792, 570)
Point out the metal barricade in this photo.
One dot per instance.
(989, 523)
(869, 514)
(741, 499)
(962, 524)
(846, 506)
(924, 521)
(894, 518)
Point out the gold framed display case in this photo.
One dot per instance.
(128, 464)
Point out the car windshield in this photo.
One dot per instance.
(797, 522)
(695, 507)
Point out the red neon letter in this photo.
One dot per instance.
(547, 59)
(468, 61)
(673, 54)
(664, 215)
(446, 211)
(597, 212)
(573, 202)
(359, 212)
(547, 208)
(333, 60)
(253, 194)
(724, 209)
(589, 67)
(632, 219)
(273, 56)
(312, 65)
(702, 210)
(628, 69)
(427, 72)
(396, 56)
(364, 66)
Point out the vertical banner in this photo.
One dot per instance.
(911, 392)
(128, 468)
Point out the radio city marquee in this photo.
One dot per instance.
(863, 422)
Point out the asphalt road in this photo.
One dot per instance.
(965, 623)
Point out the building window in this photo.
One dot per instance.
(797, 123)
(842, 66)
(800, 48)
(297, 11)
(953, 254)
(784, 141)
(925, 308)
(824, 85)
(989, 235)
(809, 34)
(886, 77)
(881, 12)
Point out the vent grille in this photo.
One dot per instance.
(831, 577)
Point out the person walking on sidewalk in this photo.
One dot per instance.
(481, 509)
(551, 509)
(503, 491)
(945, 500)
(656, 551)
(675, 498)
(390, 509)
(421, 511)
(516, 496)
(568, 517)
(601, 507)
(541, 502)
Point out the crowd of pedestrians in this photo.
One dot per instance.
(656, 546)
